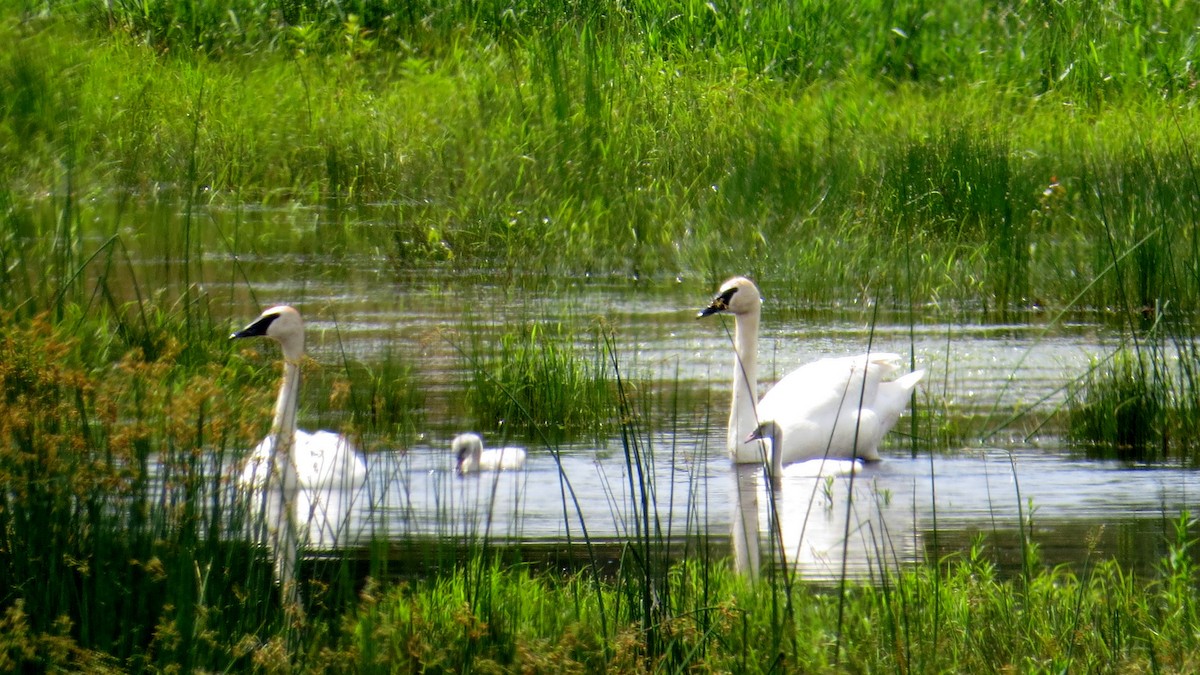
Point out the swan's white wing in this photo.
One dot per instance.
(321, 459)
(828, 407)
(827, 384)
(332, 474)
(325, 459)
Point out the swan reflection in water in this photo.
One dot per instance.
(835, 525)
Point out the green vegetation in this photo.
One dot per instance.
(1140, 404)
(95, 553)
(532, 383)
(976, 161)
(959, 617)
(988, 156)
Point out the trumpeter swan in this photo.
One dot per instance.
(297, 479)
(772, 432)
(470, 457)
(836, 407)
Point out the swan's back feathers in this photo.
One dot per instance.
(502, 459)
(322, 459)
(838, 407)
(828, 385)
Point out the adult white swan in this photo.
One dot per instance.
(836, 407)
(470, 457)
(302, 484)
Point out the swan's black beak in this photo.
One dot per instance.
(256, 329)
(718, 305)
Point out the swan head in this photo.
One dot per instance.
(467, 449)
(767, 431)
(282, 324)
(770, 432)
(737, 296)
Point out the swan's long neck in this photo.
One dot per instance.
(776, 452)
(284, 484)
(283, 425)
(742, 416)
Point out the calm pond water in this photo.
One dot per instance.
(1001, 383)
(1005, 380)
(901, 510)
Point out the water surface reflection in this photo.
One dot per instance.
(1002, 383)
(891, 513)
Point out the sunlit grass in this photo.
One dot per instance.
(1138, 405)
(539, 381)
(111, 513)
(556, 142)
(957, 616)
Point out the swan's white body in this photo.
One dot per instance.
(470, 457)
(838, 407)
(293, 477)
(330, 475)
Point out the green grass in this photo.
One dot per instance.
(959, 617)
(1138, 404)
(538, 381)
(91, 543)
(860, 149)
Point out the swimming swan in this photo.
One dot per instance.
(296, 477)
(771, 432)
(470, 457)
(836, 407)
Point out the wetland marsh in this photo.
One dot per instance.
(504, 219)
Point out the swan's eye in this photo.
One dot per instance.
(722, 301)
(718, 304)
